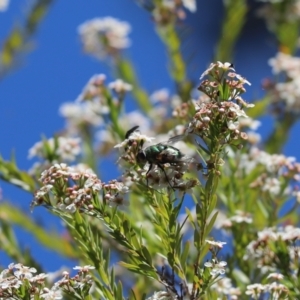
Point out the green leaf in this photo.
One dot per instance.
(213, 204)
(197, 238)
(132, 295)
(260, 108)
(50, 240)
(288, 32)
(120, 291)
(10, 173)
(17, 42)
(103, 275)
(146, 255)
(263, 209)
(203, 251)
(126, 71)
(112, 276)
(210, 225)
(184, 255)
(140, 269)
(241, 277)
(129, 266)
(171, 260)
(235, 12)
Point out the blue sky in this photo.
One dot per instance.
(55, 70)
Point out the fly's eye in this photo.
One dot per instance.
(141, 157)
(129, 144)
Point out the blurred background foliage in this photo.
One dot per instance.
(229, 30)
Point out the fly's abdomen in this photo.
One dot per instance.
(162, 154)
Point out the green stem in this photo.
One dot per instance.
(280, 135)
(17, 41)
(87, 141)
(169, 36)
(125, 70)
(235, 12)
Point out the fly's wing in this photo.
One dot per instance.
(173, 139)
(173, 156)
(182, 157)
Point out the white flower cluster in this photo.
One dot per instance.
(65, 148)
(263, 250)
(216, 267)
(17, 280)
(190, 5)
(162, 295)
(274, 290)
(79, 193)
(224, 287)
(288, 90)
(274, 15)
(4, 5)
(89, 107)
(119, 86)
(276, 167)
(104, 36)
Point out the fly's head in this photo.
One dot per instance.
(134, 140)
(141, 158)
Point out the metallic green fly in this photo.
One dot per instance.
(159, 154)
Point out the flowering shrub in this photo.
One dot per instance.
(204, 207)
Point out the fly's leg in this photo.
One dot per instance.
(162, 168)
(150, 167)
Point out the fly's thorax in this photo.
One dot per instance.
(151, 153)
(154, 149)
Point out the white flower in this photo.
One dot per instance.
(241, 79)
(89, 113)
(224, 287)
(255, 289)
(285, 63)
(237, 110)
(232, 125)
(54, 294)
(288, 90)
(162, 296)
(160, 96)
(278, 290)
(276, 276)
(38, 278)
(120, 86)
(4, 5)
(93, 88)
(10, 283)
(101, 35)
(70, 209)
(66, 148)
(241, 217)
(267, 234)
(23, 271)
(84, 269)
(135, 136)
(225, 66)
(216, 243)
(216, 267)
(190, 5)
(272, 185)
(249, 122)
